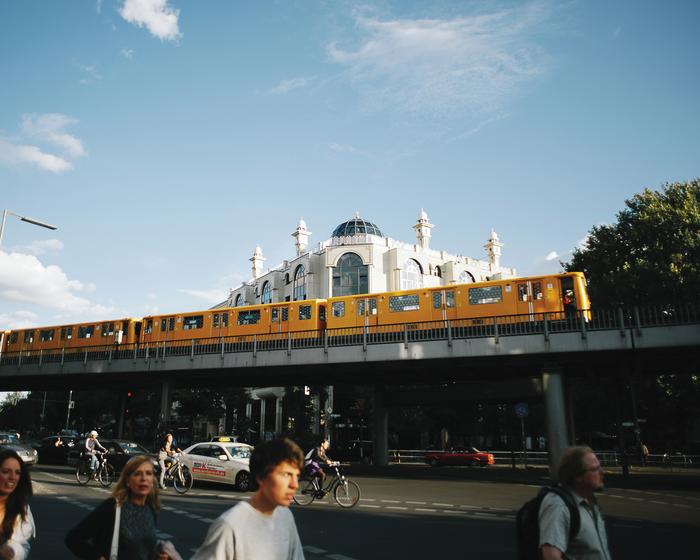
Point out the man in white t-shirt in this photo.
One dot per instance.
(262, 528)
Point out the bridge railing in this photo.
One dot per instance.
(545, 324)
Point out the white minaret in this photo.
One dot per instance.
(493, 250)
(301, 237)
(257, 260)
(423, 227)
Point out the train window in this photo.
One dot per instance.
(285, 314)
(66, 333)
(304, 312)
(86, 332)
(404, 303)
(193, 322)
(224, 319)
(28, 337)
(450, 298)
(249, 317)
(275, 315)
(371, 307)
(107, 329)
(522, 292)
(171, 324)
(437, 300)
(490, 294)
(215, 322)
(149, 327)
(338, 309)
(537, 290)
(47, 335)
(13, 338)
(163, 325)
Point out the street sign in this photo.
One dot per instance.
(521, 410)
(628, 424)
(71, 404)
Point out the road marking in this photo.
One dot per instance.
(683, 506)
(470, 507)
(443, 505)
(636, 499)
(658, 502)
(368, 500)
(426, 509)
(164, 535)
(615, 496)
(402, 508)
(369, 506)
(417, 503)
(313, 550)
(206, 519)
(338, 557)
(194, 516)
(390, 501)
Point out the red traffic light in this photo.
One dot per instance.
(129, 393)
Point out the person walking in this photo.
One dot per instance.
(264, 528)
(581, 474)
(16, 521)
(123, 527)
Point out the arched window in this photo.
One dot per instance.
(350, 276)
(411, 275)
(300, 283)
(466, 278)
(239, 300)
(266, 296)
(438, 272)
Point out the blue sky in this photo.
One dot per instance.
(166, 139)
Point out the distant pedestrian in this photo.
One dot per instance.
(123, 527)
(581, 474)
(645, 454)
(264, 528)
(16, 521)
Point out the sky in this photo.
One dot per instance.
(167, 138)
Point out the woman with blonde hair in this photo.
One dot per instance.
(123, 527)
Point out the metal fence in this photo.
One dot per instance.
(544, 324)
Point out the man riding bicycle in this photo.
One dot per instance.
(92, 446)
(167, 451)
(314, 459)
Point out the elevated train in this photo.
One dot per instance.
(523, 299)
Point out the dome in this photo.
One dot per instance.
(356, 226)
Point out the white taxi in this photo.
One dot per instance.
(220, 461)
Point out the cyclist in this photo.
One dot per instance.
(313, 461)
(92, 446)
(165, 453)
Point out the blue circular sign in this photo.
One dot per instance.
(521, 410)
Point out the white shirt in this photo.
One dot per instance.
(22, 531)
(244, 533)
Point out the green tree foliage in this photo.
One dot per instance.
(651, 254)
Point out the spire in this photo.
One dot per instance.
(257, 259)
(301, 236)
(493, 250)
(423, 227)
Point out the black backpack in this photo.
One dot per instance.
(528, 524)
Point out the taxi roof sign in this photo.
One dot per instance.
(224, 439)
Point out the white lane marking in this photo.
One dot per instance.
(402, 508)
(443, 505)
(313, 550)
(163, 535)
(390, 501)
(368, 500)
(194, 516)
(417, 503)
(370, 506)
(470, 507)
(338, 557)
(615, 496)
(683, 506)
(636, 499)
(206, 519)
(658, 502)
(426, 509)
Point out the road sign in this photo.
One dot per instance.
(521, 410)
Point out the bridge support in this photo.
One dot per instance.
(381, 427)
(122, 407)
(556, 416)
(262, 419)
(166, 401)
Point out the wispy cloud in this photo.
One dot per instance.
(159, 18)
(40, 247)
(127, 53)
(345, 149)
(12, 153)
(18, 319)
(551, 256)
(89, 71)
(50, 128)
(467, 64)
(291, 84)
(214, 295)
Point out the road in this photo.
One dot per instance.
(396, 518)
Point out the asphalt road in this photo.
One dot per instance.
(396, 518)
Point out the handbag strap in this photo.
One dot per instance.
(113, 553)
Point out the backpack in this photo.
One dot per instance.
(528, 523)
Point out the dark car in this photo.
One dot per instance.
(119, 451)
(459, 456)
(10, 440)
(54, 449)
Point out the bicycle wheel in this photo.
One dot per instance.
(182, 479)
(82, 473)
(306, 492)
(347, 493)
(106, 475)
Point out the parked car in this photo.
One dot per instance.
(225, 462)
(119, 451)
(9, 440)
(51, 453)
(459, 456)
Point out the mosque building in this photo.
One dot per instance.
(359, 259)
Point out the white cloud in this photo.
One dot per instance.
(24, 279)
(50, 128)
(39, 247)
(13, 154)
(159, 18)
(467, 64)
(127, 53)
(214, 295)
(286, 86)
(90, 70)
(582, 244)
(18, 320)
(344, 149)
(551, 256)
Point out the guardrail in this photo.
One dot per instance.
(545, 324)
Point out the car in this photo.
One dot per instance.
(459, 456)
(51, 453)
(9, 440)
(119, 451)
(224, 462)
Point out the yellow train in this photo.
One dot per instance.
(522, 299)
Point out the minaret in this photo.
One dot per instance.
(423, 227)
(493, 250)
(301, 236)
(257, 260)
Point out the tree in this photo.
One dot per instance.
(650, 255)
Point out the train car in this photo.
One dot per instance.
(524, 297)
(291, 316)
(80, 335)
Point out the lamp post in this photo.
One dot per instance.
(27, 219)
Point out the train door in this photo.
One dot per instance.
(530, 298)
(167, 325)
(444, 305)
(219, 323)
(568, 296)
(367, 312)
(279, 319)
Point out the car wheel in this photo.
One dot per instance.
(243, 481)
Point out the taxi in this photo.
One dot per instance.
(224, 461)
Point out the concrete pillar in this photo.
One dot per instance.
(556, 416)
(316, 404)
(278, 416)
(122, 406)
(166, 401)
(381, 426)
(328, 428)
(249, 410)
(262, 419)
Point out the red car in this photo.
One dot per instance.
(459, 456)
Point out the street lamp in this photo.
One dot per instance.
(24, 219)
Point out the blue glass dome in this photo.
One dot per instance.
(356, 226)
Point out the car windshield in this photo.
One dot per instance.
(238, 452)
(131, 448)
(8, 438)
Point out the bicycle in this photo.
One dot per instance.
(345, 492)
(179, 474)
(104, 473)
